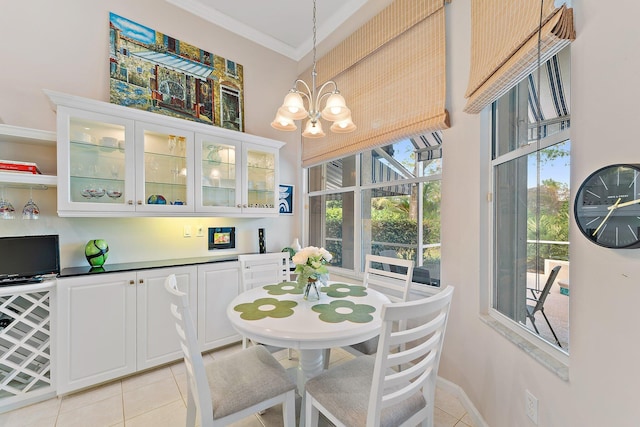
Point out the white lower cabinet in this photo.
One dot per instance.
(218, 284)
(157, 339)
(115, 324)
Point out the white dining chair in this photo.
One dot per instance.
(264, 269)
(372, 390)
(233, 387)
(392, 277)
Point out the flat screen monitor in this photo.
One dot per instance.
(27, 258)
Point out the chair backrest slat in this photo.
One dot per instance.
(417, 348)
(264, 269)
(391, 276)
(198, 382)
(547, 287)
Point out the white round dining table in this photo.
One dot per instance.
(344, 314)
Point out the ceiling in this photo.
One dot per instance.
(286, 26)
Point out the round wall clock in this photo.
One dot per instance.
(607, 206)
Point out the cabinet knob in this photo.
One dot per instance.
(129, 202)
(244, 206)
(131, 282)
(141, 281)
(139, 202)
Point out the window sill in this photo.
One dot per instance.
(552, 363)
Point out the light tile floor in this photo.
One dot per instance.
(157, 398)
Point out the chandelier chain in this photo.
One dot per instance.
(314, 36)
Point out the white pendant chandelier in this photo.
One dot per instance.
(293, 108)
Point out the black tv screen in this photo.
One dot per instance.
(28, 257)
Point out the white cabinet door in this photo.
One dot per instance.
(218, 174)
(164, 169)
(95, 163)
(260, 190)
(97, 329)
(157, 339)
(218, 284)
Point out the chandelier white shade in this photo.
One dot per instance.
(293, 108)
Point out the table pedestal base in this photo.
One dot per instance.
(310, 365)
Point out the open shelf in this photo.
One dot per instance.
(20, 135)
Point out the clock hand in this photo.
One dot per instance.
(622, 205)
(611, 209)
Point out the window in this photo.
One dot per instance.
(531, 164)
(231, 68)
(384, 201)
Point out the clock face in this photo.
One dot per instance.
(607, 206)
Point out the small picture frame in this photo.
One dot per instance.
(222, 238)
(285, 203)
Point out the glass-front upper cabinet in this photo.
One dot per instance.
(95, 152)
(260, 194)
(164, 169)
(120, 161)
(217, 165)
(235, 176)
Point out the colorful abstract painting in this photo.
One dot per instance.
(152, 71)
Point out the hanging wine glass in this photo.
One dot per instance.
(213, 156)
(30, 210)
(6, 208)
(172, 143)
(114, 190)
(182, 146)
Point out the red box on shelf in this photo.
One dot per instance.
(14, 166)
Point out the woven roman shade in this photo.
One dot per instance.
(504, 44)
(391, 72)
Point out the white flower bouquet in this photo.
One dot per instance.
(311, 263)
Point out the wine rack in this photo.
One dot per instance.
(25, 343)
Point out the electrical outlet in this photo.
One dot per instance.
(531, 406)
(186, 231)
(200, 231)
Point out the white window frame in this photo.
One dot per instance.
(357, 189)
(554, 358)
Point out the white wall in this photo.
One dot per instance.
(605, 284)
(63, 46)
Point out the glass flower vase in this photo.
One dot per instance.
(311, 290)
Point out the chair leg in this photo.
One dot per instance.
(533, 323)
(289, 409)
(326, 355)
(552, 331)
(191, 409)
(312, 414)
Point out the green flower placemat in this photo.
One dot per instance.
(265, 307)
(283, 288)
(341, 310)
(342, 290)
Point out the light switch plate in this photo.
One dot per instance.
(200, 231)
(186, 231)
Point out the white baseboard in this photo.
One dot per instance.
(459, 393)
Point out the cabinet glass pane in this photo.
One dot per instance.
(261, 179)
(97, 161)
(218, 174)
(165, 169)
